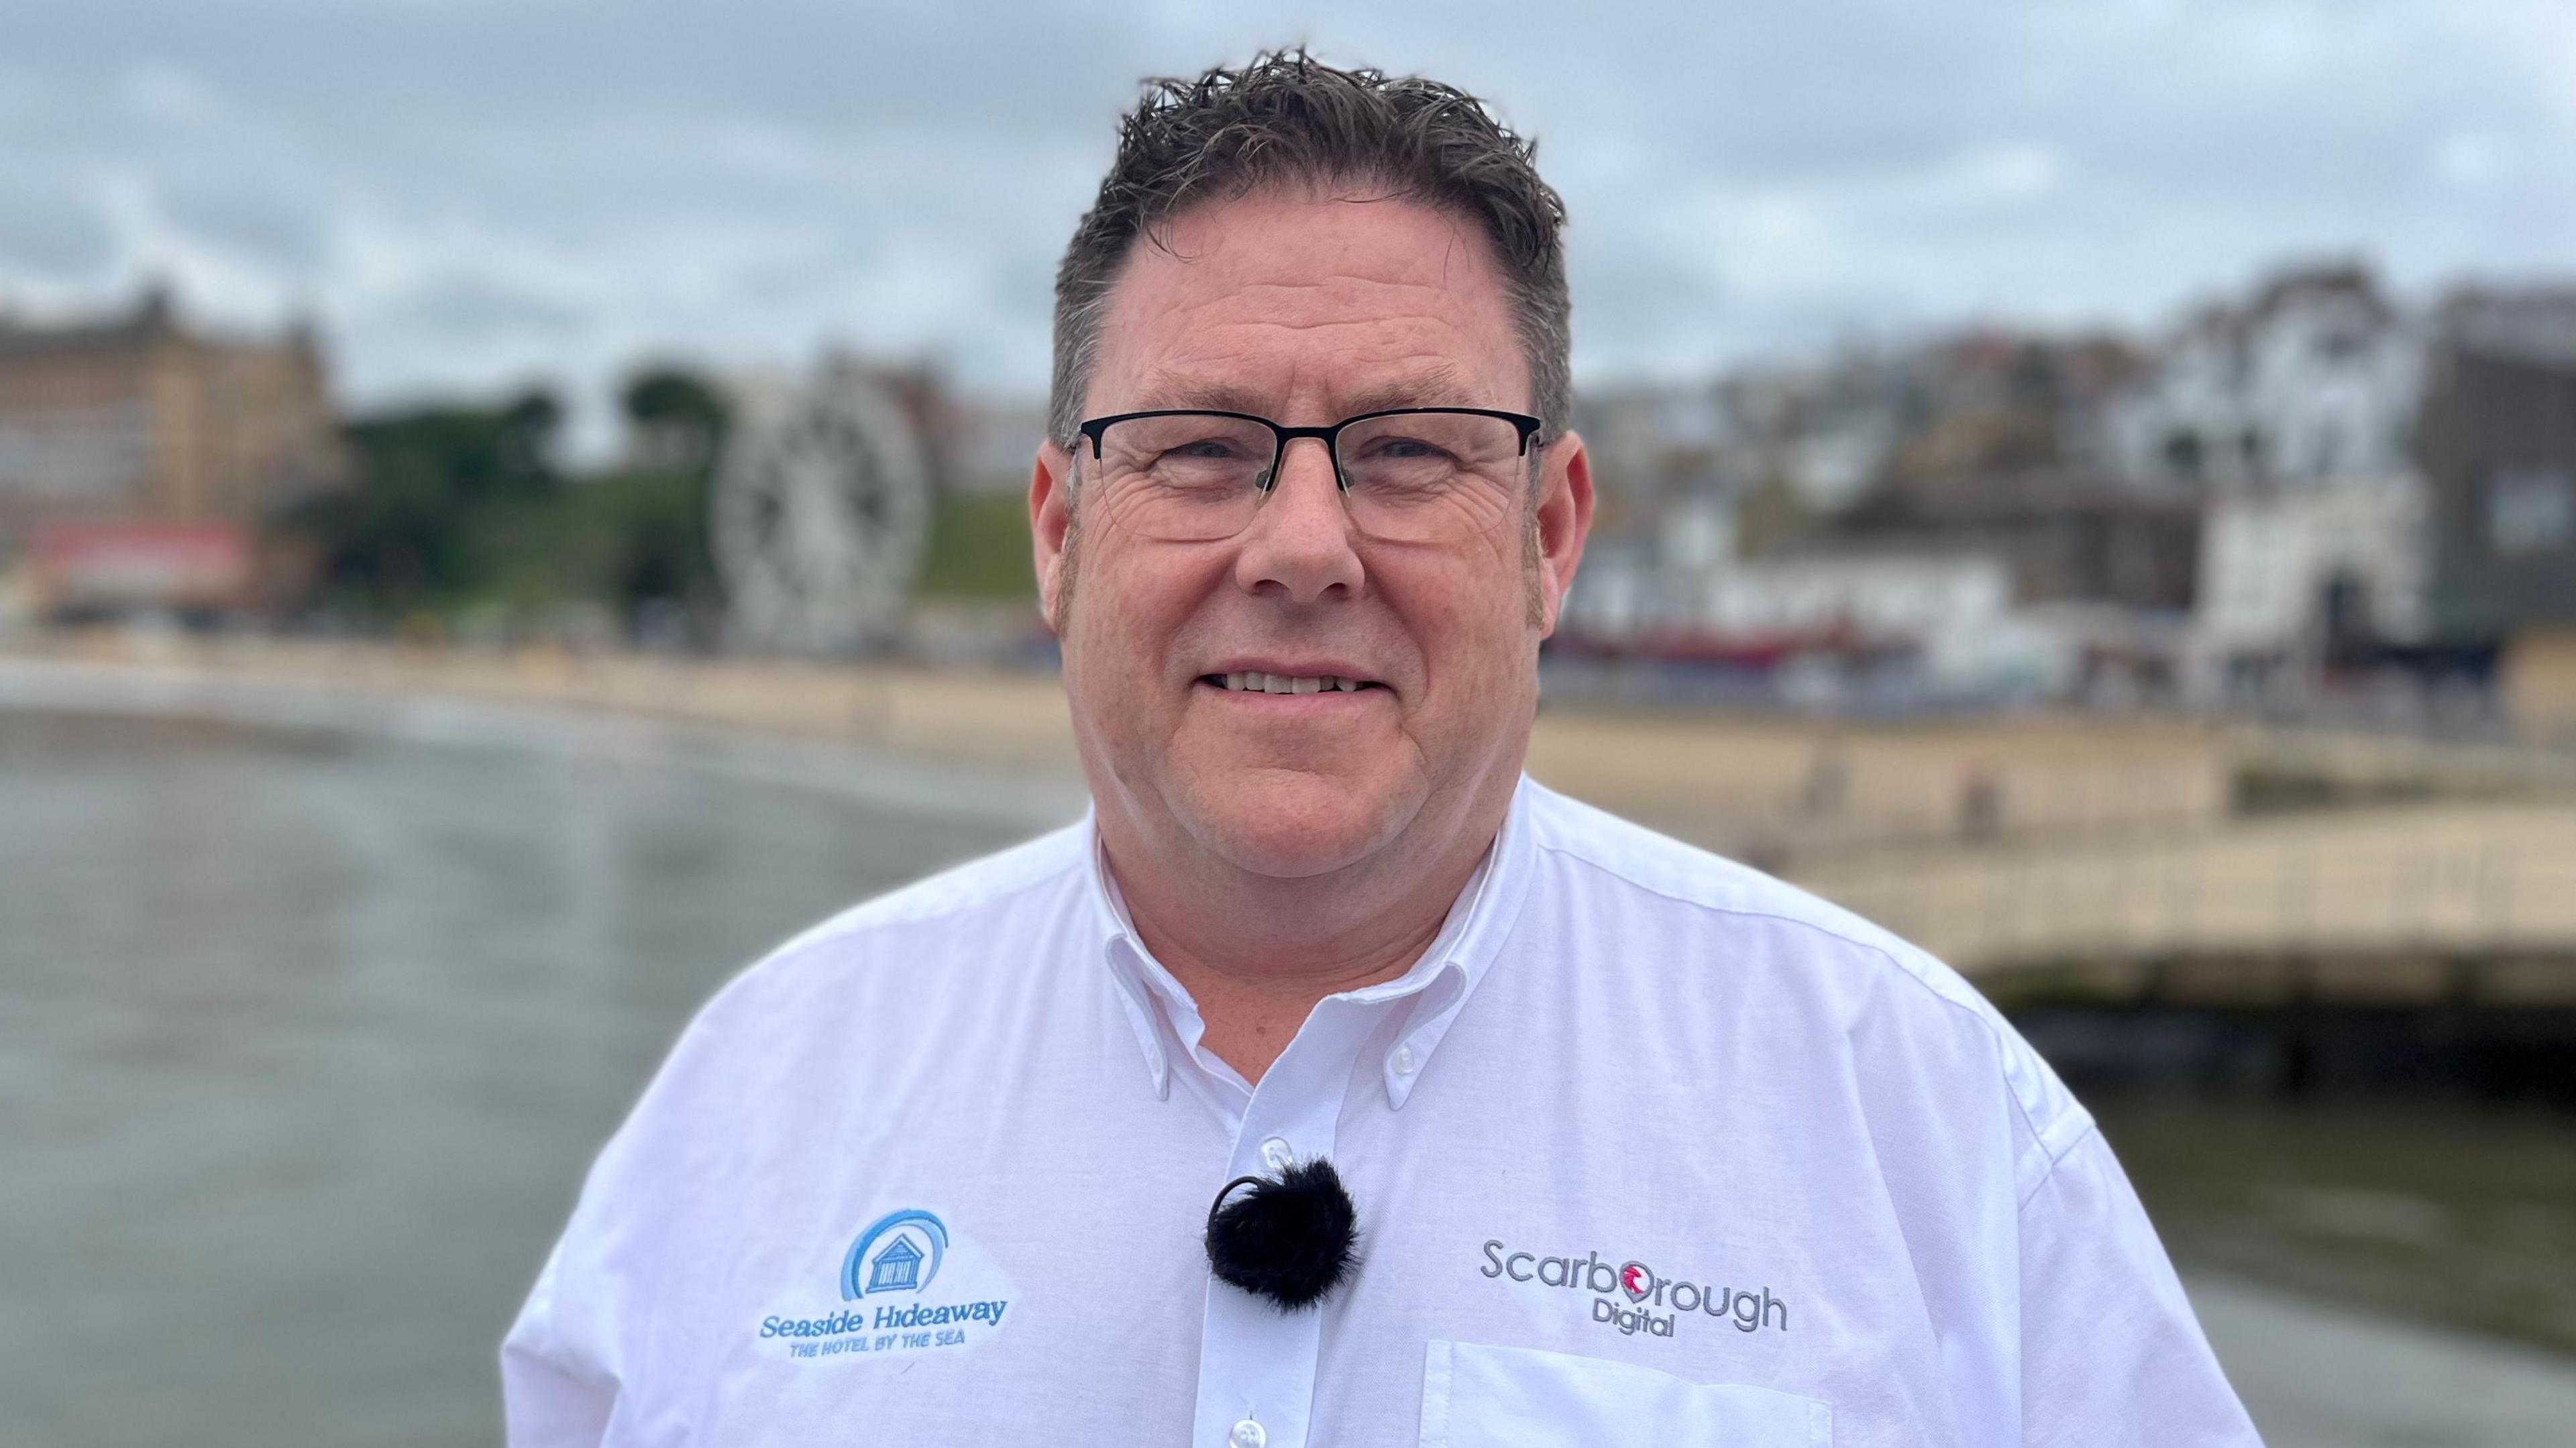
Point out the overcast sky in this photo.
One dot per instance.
(469, 194)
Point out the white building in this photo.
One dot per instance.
(1874, 596)
(2315, 381)
(1950, 613)
(1825, 430)
(2286, 572)
(2294, 413)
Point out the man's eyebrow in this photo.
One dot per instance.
(1438, 385)
(1167, 389)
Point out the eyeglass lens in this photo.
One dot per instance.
(1412, 477)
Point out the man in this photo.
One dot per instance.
(1643, 1146)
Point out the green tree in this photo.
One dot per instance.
(678, 420)
(649, 519)
(462, 507)
(437, 497)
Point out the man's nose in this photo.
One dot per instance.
(1299, 543)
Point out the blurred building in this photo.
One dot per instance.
(2068, 536)
(138, 455)
(1929, 510)
(2290, 414)
(2297, 580)
(2498, 443)
(2307, 497)
(2312, 379)
(1993, 401)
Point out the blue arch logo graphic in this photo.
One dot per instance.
(899, 1252)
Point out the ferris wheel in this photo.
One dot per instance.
(820, 515)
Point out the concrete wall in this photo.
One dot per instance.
(2539, 683)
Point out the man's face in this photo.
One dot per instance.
(1305, 308)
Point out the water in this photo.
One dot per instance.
(2433, 1210)
(307, 1034)
(306, 1039)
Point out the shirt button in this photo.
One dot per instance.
(1276, 1155)
(1248, 1434)
(1402, 1061)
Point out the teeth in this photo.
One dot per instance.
(1257, 682)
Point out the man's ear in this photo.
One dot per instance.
(1051, 527)
(1563, 521)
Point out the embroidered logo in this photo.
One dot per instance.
(900, 1252)
(1656, 1305)
(1637, 1280)
(896, 1257)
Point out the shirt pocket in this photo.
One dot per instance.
(1475, 1396)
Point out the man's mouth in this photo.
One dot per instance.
(1254, 682)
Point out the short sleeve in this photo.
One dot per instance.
(2111, 1353)
(596, 1319)
(555, 1391)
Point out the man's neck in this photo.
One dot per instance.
(1257, 953)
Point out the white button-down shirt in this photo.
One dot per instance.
(1646, 1147)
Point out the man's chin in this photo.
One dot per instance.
(1293, 825)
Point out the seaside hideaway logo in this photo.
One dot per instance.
(1633, 1297)
(887, 1278)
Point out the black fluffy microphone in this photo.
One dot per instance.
(1292, 1240)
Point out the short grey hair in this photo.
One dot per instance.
(1289, 119)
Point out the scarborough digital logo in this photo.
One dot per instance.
(1656, 1305)
(899, 1252)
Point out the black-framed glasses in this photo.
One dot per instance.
(1407, 474)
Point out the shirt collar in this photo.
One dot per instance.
(1446, 973)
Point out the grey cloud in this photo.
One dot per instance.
(47, 229)
(469, 192)
(266, 223)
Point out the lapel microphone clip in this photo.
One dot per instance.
(1292, 1240)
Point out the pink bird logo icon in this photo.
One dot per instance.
(1637, 1280)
